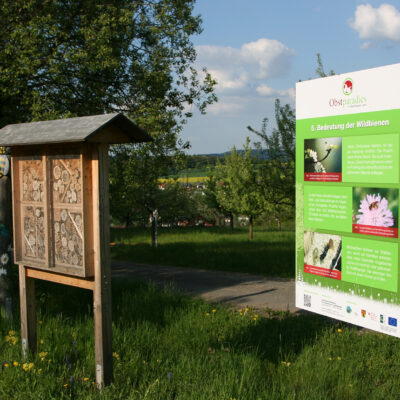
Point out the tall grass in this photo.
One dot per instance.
(270, 253)
(168, 346)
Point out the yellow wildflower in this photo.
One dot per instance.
(41, 322)
(339, 358)
(85, 379)
(27, 366)
(214, 311)
(39, 371)
(339, 330)
(6, 365)
(41, 341)
(15, 363)
(43, 354)
(65, 385)
(208, 314)
(115, 355)
(11, 333)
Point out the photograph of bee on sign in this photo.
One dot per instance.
(347, 197)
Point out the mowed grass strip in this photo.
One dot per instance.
(270, 253)
(168, 346)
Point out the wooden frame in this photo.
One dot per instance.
(52, 208)
(61, 214)
(95, 273)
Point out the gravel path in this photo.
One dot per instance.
(236, 289)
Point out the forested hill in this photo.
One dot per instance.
(209, 160)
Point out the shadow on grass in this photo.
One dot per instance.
(274, 259)
(280, 338)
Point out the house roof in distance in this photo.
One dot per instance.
(105, 128)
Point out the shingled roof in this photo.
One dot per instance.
(105, 128)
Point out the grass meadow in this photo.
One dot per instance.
(168, 346)
(171, 347)
(270, 253)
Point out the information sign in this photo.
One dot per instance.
(347, 197)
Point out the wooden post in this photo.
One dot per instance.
(28, 312)
(102, 268)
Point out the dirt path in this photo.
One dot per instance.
(236, 289)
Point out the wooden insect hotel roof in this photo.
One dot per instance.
(105, 128)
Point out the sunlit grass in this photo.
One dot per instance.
(168, 346)
(270, 253)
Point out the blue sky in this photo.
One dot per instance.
(258, 49)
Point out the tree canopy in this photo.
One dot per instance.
(79, 57)
(61, 58)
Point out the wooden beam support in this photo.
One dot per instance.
(28, 312)
(58, 278)
(102, 268)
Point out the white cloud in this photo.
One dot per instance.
(382, 23)
(265, 90)
(228, 107)
(242, 73)
(236, 69)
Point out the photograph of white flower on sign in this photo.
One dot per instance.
(323, 159)
(375, 211)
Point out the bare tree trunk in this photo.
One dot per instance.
(127, 220)
(251, 228)
(231, 221)
(154, 228)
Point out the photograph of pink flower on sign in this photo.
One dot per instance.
(323, 160)
(375, 211)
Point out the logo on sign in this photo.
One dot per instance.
(348, 86)
(372, 316)
(392, 321)
(348, 309)
(382, 319)
(363, 313)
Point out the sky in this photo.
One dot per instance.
(258, 49)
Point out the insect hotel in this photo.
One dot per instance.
(61, 214)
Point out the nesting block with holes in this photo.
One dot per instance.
(57, 168)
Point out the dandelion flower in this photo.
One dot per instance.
(339, 358)
(374, 211)
(27, 366)
(214, 311)
(39, 371)
(6, 365)
(85, 379)
(15, 363)
(339, 330)
(41, 341)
